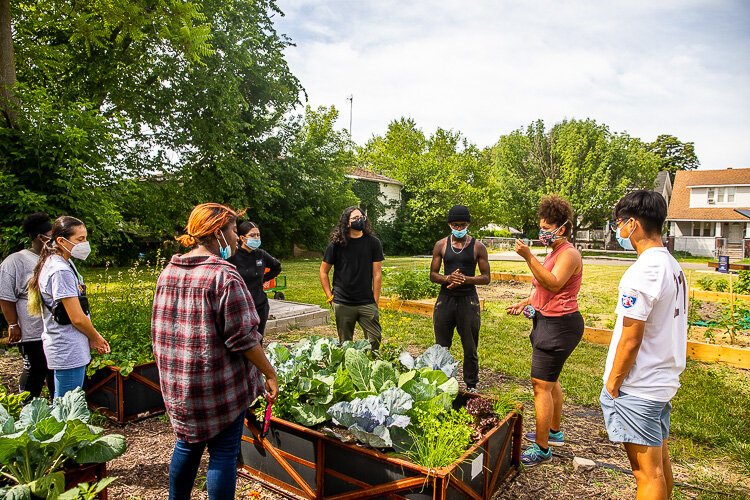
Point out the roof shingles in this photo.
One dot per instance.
(679, 204)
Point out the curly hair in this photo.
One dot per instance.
(204, 221)
(340, 233)
(556, 210)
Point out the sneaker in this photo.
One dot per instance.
(533, 456)
(472, 390)
(555, 438)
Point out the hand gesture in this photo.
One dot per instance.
(456, 278)
(523, 250)
(272, 388)
(516, 308)
(100, 345)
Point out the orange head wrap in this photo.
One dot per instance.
(205, 220)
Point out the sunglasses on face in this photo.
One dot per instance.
(615, 225)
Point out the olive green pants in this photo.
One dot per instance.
(366, 315)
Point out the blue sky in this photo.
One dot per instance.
(486, 68)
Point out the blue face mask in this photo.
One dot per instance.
(624, 242)
(224, 252)
(461, 233)
(252, 243)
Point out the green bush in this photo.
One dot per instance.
(121, 311)
(409, 285)
(705, 283)
(721, 285)
(743, 283)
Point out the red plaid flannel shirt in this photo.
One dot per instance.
(203, 320)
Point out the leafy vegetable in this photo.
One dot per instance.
(371, 419)
(34, 447)
(12, 402)
(439, 437)
(86, 491)
(435, 357)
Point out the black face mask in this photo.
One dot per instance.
(358, 224)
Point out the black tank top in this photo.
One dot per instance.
(459, 259)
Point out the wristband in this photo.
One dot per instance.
(14, 325)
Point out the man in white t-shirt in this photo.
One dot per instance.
(647, 352)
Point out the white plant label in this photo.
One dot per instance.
(476, 465)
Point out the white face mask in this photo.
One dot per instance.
(81, 250)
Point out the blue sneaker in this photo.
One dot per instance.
(555, 438)
(533, 456)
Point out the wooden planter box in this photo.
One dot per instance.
(125, 399)
(299, 462)
(86, 474)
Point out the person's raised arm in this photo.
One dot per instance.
(553, 280)
(625, 354)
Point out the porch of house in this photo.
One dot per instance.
(712, 238)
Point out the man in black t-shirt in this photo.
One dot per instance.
(356, 257)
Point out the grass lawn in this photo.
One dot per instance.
(711, 415)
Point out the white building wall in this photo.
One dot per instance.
(696, 245)
(699, 197)
(390, 196)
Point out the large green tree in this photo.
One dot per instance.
(581, 160)
(674, 154)
(191, 92)
(438, 172)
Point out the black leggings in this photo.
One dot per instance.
(263, 315)
(35, 372)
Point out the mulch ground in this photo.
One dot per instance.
(143, 471)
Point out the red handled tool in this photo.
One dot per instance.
(266, 420)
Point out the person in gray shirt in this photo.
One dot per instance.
(26, 330)
(57, 293)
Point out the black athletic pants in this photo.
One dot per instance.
(462, 314)
(35, 372)
(263, 312)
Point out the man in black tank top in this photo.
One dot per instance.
(457, 305)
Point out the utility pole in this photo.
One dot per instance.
(350, 98)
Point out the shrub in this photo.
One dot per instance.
(743, 283)
(121, 311)
(410, 285)
(705, 283)
(721, 285)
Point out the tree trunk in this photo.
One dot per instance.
(7, 66)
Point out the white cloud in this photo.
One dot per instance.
(488, 67)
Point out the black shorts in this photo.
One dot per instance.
(553, 339)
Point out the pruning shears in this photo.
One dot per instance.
(266, 420)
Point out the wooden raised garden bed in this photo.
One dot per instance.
(86, 474)
(125, 399)
(300, 462)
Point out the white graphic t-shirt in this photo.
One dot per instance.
(653, 290)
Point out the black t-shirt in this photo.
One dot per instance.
(352, 269)
(251, 266)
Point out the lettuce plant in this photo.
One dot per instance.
(34, 447)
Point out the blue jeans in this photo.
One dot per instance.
(67, 380)
(221, 479)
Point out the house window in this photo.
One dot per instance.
(730, 194)
(720, 197)
(705, 229)
(711, 193)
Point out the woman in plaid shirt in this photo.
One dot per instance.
(208, 351)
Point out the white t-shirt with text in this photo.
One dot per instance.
(653, 290)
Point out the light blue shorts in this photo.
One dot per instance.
(630, 419)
